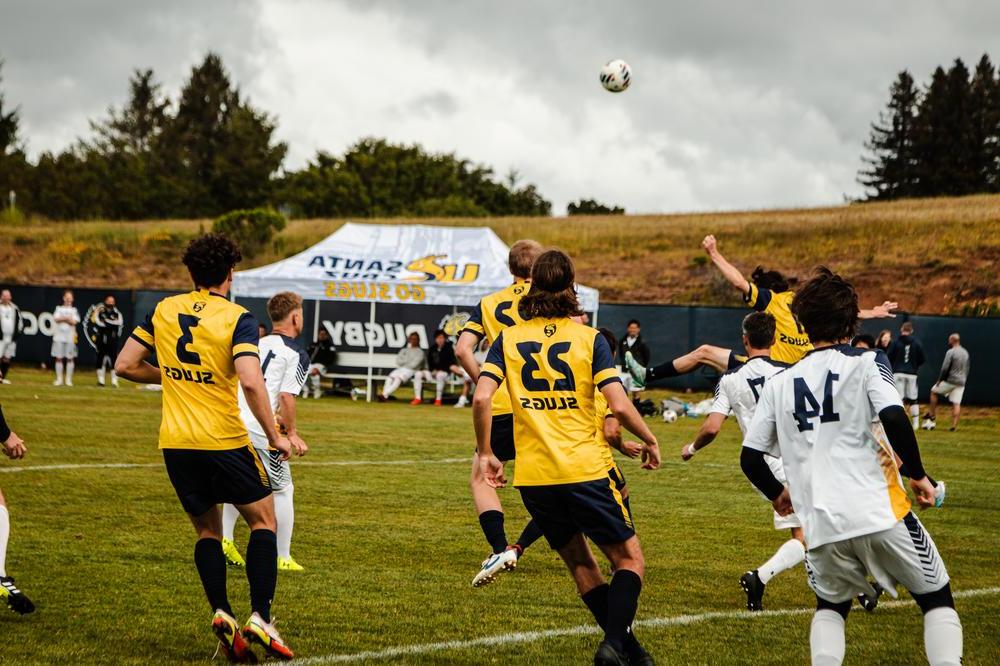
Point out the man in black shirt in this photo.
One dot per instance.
(322, 355)
(906, 355)
(441, 362)
(105, 324)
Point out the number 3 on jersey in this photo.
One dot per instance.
(807, 407)
(184, 355)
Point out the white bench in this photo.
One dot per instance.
(382, 364)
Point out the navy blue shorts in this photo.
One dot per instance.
(204, 478)
(594, 508)
(502, 437)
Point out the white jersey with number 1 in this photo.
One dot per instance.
(284, 363)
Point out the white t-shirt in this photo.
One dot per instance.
(8, 320)
(739, 389)
(284, 363)
(817, 415)
(63, 331)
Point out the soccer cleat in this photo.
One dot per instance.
(289, 564)
(438, 402)
(57, 382)
(870, 601)
(69, 382)
(494, 565)
(265, 635)
(4, 381)
(608, 656)
(750, 582)
(231, 642)
(233, 557)
(939, 492)
(416, 401)
(16, 599)
(637, 655)
(637, 371)
(462, 402)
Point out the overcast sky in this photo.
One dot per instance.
(733, 104)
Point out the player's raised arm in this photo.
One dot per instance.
(884, 311)
(730, 272)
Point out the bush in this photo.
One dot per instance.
(592, 207)
(252, 229)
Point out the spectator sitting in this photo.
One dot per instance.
(409, 362)
(322, 355)
(441, 362)
(632, 342)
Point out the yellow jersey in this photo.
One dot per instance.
(790, 340)
(602, 411)
(492, 315)
(551, 368)
(196, 338)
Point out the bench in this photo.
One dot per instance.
(382, 365)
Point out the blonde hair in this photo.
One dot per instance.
(522, 257)
(283, 304)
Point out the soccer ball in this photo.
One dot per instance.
(669, 416)
(616, 76)
(929, 424)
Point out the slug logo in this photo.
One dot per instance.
(435, 272)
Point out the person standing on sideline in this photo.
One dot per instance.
(108, 323)
(906, 355)
(10, 327)
(66, 318)
(951, 382)
(632, 343)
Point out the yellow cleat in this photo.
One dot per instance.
(288, 564)
(233, 557)
(264, 634)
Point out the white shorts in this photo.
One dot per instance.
(279, 472)
(951, 391)
(402, 374)
(8, 348)
(906, 385)
(780, 522)
(903, 554)
(63, 349)
(628, 383)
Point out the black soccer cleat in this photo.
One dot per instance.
(870, 601)
(637, 655)
(17, 600)
(608, 656)
(751, 584)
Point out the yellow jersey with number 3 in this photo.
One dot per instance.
(493, 314)
(790, 341)
(551, 368)
(197, 337)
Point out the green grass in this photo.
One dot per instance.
(390, 549)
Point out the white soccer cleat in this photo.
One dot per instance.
(462, 401)
(494, 565)
(57, 382)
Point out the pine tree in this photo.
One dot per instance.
(890, 170)
(984, 110)
(943, 141)
(135, 127)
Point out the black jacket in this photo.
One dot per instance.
(906, 355)
(441, 359)
(322, 353)
(639, 350)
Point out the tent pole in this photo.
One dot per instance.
(595, 316)
(371, 349)
(316, 323)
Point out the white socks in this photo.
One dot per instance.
(284, 516)
(418, 385)
(440, 385)
(59, 372)
(229, 517)
(826, 639)
(70, 364)
(391, 384)
(915, 413)
(4, 536)
(791, 554)
(100, 375)
(943, 637)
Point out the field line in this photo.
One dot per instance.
(589, 629)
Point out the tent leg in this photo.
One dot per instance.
(316, 323)
(371, 350)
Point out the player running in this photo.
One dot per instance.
(493, 314)
(17, 601)
(844, 485)
(738, 392)
(206, 347)
(765, 291)
(284, 363)
(551, 367)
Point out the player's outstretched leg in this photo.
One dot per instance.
(826, 635)
(790, 554)
(715, 357)
(16, 600)
(262, 574)
(229, 517)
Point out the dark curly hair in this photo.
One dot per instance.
(771, 280)
(210, 258)
(553, 289)
(826, 307)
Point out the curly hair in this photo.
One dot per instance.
(771, 280)
(210, 258)
(553, 288)
(827, 307)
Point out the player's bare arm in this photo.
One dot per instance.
(884, 311)
(465, 351)
(252, 381)
(625, 412)
(482, 419)
(613, 433)
(14, 447)
(730, 272)
(132, 364)
(286, 407)
(706, 435)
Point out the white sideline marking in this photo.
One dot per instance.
(315, 463)
(589, 629)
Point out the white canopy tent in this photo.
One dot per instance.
(406, 264)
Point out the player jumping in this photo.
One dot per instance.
(494, 314)
(17, 601)
(845, 486)
(551, 367)
(284, 363)
(206, 347)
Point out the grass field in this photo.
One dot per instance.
(953, 244)
(388, 534)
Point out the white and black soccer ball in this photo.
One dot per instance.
(616, 76)
(929, 424)
(669, 416)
